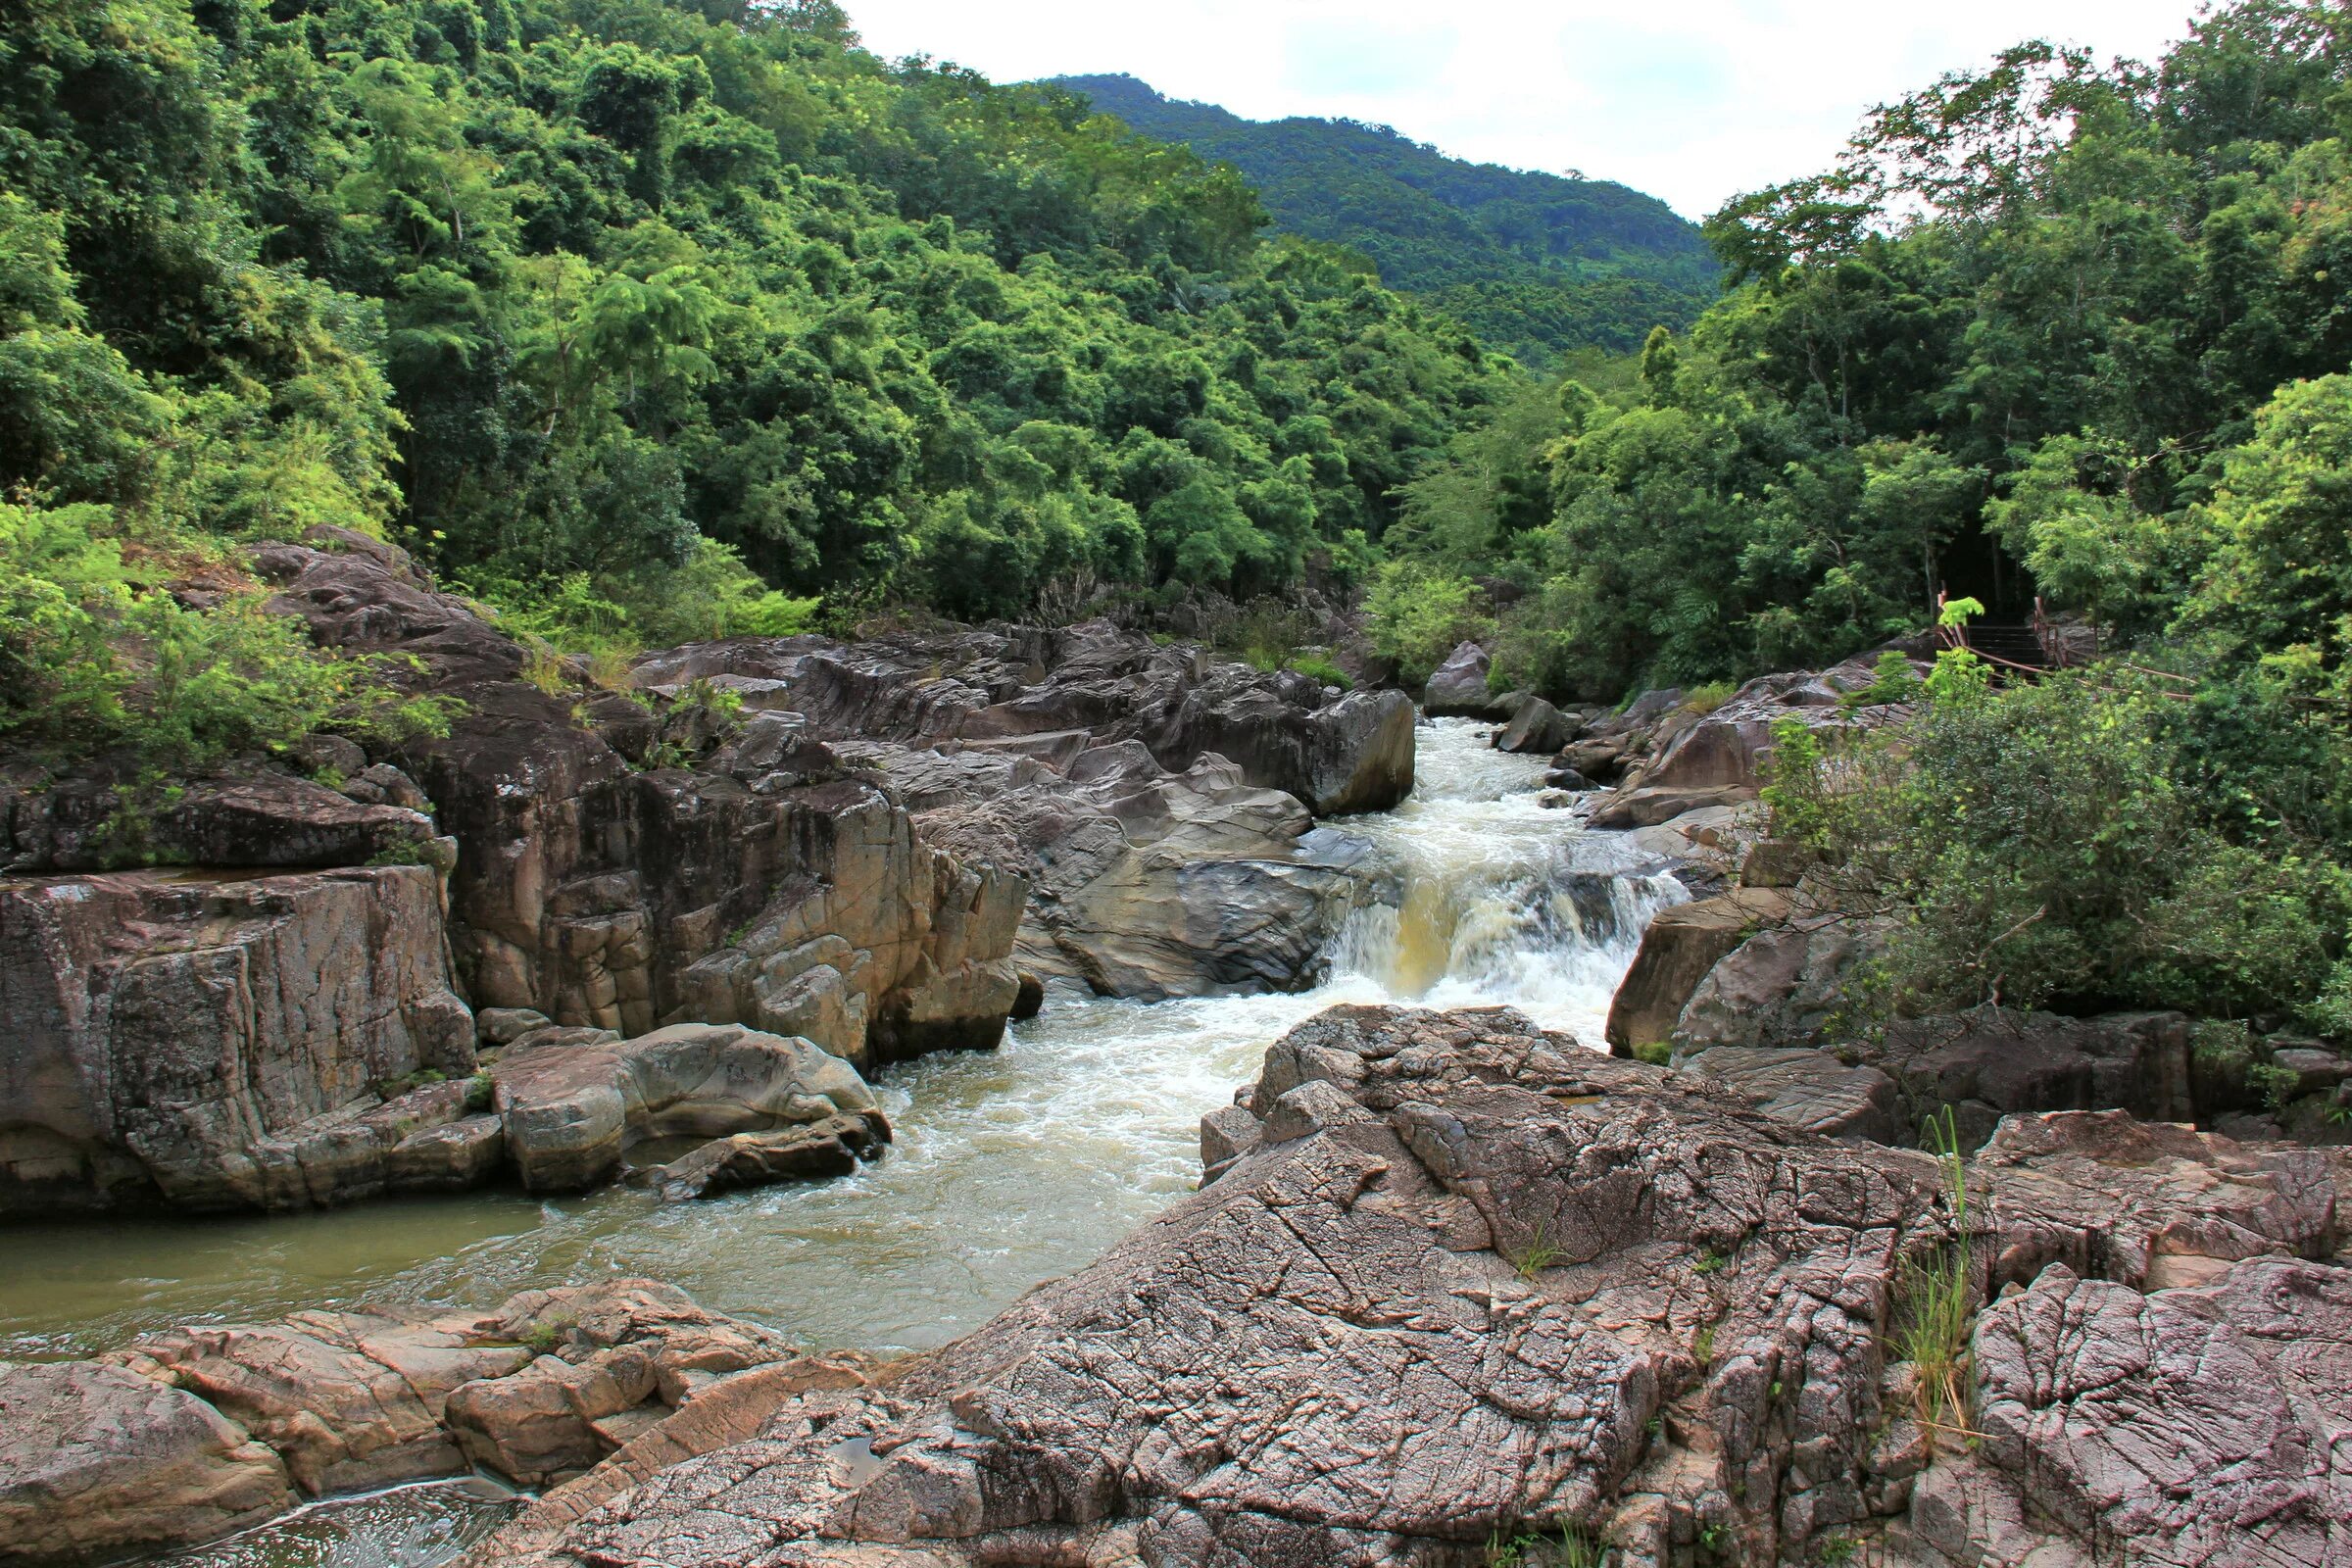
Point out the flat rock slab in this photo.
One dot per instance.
(1808, 1089)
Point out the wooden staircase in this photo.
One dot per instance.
(2015, 652)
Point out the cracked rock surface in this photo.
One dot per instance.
(1454, 1277)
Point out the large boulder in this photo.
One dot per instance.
(573, 1102)
(1537, 728)
(1727, 747)
(2190, 1429)
(1457, 688)
(1148, 884)
(97, 1463)
(1791, 985)
(1679, 947)
(1355, 755)
(1990, 1062)
(220, 1041)
(1651, 805)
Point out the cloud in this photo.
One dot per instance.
(1715, 97)
(1320, 62)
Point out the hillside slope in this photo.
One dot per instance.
(1536, 263)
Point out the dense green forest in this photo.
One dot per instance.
(649, 319)
(2052, 329)
(1536, 263)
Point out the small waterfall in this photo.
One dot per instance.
(1489, 896)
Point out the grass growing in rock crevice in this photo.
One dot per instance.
(1939, 1302)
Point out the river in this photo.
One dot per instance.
(1010, 1167)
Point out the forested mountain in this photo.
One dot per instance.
(2049, 330)
(1535, 263)
(593, 303)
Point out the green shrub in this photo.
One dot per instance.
(1657, 1052)
(95, 654)
(2053, 844)
(1416, 615)
(2275, 1085)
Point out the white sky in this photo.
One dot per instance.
(1691, 100)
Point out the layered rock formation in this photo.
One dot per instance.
(230, 1034)
(592, 884)
(1162, 807)
(187, 1435)
(1456, 1280)
(217, 1042)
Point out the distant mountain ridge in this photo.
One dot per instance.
(1538, 264)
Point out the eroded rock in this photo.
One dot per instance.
(572, 1103)
(97, 1462)
(218, 1041)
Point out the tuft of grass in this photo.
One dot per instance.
(1535, 1257)
(1317, 668)
(1702, 1345)
(481, 1091)
(1705, 699)
(1940, 1302)
(543, 665)
(545, 1336)
(1709, 1261)
(1656, 1052)
(1575, 1549)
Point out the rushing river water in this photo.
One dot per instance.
(1010, 1167)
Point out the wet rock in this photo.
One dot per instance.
(1458, 689)
(1030, 1000)
(1681, 946)
(97, 1463)
(819, 1150)
(1535, 727)
(573, 1108)
(1649, 806)
(216, 1042)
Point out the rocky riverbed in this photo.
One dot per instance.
(729, 975)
